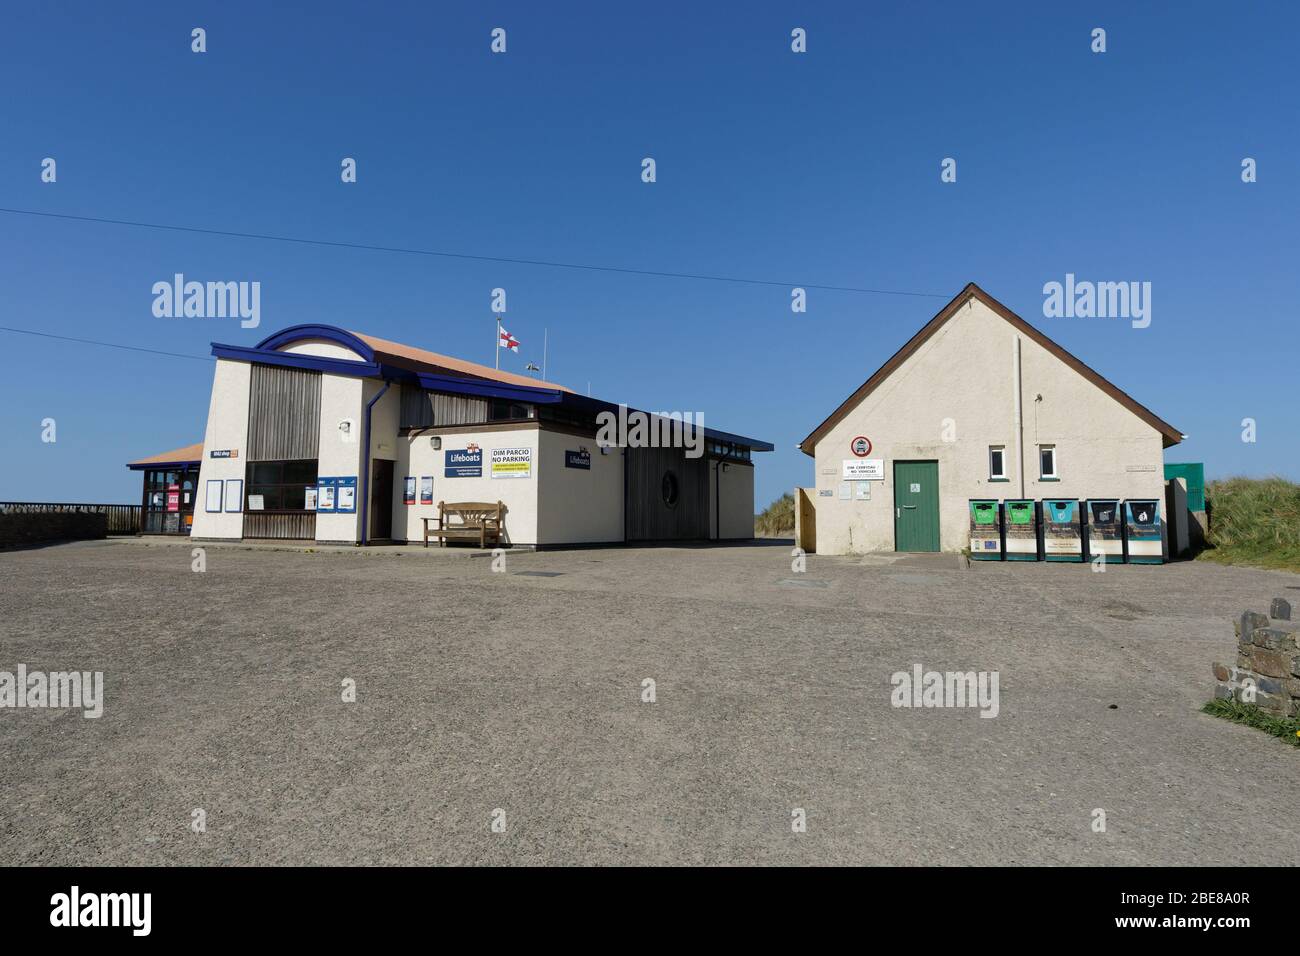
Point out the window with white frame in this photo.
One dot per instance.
(1047, 461)
(997, 462)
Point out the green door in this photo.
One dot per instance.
(916, 506)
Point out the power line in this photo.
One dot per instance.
(463, 255)
(109, 345)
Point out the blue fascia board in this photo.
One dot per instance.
(488, 388)
(753, 444)
(335, 366)
(163, 465)
(331, 333)
(600, 405)
(266, 354)
(315, 363)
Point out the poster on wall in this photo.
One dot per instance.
(309, 497)
(234, 494)
(173, 497)
(426, 490)
(214, 495)
(346, 499)
(408, 490)
(463, 463)
(324, 495)
(512, 462)
(256, 503)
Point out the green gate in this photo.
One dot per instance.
(916, 506)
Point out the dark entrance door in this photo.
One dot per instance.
(667, 495)
(381, 499)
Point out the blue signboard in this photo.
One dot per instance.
(345, 500)
(463, 463)
(325, 492)
(578, 459)
(336, 495)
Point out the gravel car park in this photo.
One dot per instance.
(663, 705)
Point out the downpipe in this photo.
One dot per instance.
(365, 470)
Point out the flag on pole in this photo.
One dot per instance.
(508, 341)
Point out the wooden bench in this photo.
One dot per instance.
(477, 519)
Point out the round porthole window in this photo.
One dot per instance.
(668, 488)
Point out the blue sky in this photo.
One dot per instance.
(821, 168)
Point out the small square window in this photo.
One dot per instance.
(1047, 461)
(997, 462)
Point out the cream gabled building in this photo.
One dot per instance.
(977, 404)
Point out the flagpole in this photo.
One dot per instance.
(544, 333)
(498, 353)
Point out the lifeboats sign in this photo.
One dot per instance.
(864, 469)
(512, 462)
(463, 463)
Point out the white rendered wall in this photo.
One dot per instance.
(227, 429)
(416, 457)
(959, 384)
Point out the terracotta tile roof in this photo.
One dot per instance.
(187, 453)
(421, 360)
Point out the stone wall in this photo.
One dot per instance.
(1268, 662)
(21, 529)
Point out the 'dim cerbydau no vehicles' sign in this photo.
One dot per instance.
(863, 469)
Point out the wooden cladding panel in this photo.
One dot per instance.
(291, 526)
(422, 408)
(649, 518)
(283, 414)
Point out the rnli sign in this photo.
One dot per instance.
(463, 463)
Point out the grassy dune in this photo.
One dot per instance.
(777, 521)
(1254, 521)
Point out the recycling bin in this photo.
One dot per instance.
(1143, 535)
(985, 529)
(1020, 528)
(1103, 530)
(1062, 530)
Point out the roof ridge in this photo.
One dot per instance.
(940, 319)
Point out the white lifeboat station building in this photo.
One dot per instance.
(321, 434)
(978, 404)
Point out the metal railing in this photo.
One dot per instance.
(122, 519)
